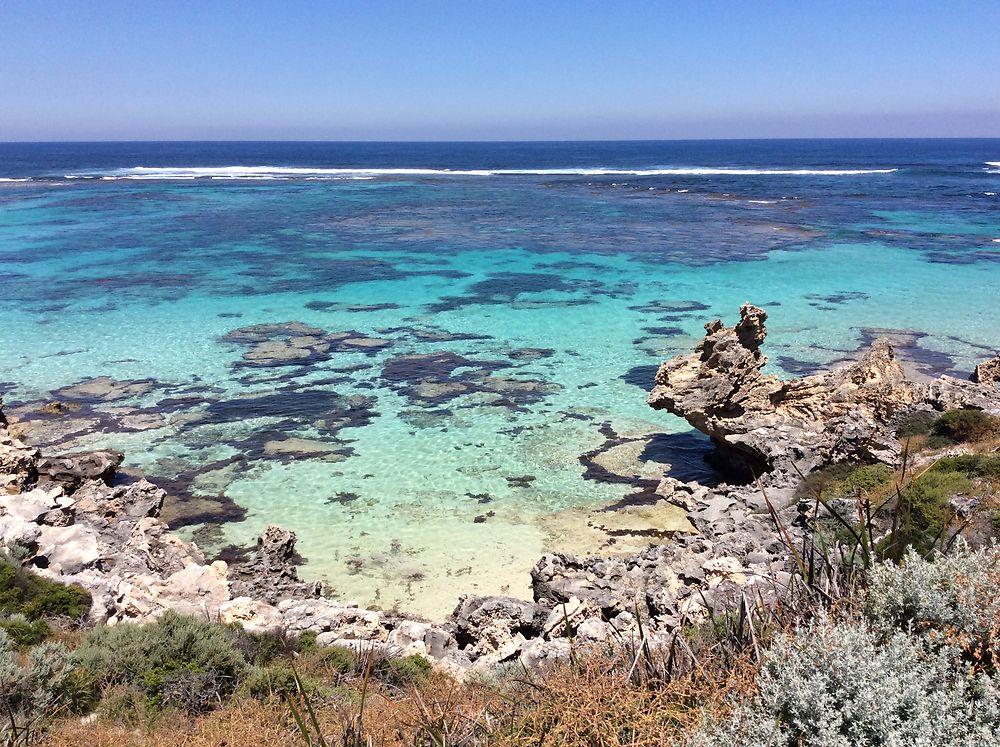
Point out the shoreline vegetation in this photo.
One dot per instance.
(837, 590)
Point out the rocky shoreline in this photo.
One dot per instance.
(76, 519)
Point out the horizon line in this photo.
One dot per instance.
(493, 141)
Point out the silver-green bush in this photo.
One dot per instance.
(950, 602)
(33, 693)
(844, 685)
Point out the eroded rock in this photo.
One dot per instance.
(790, 427)
(72, 470)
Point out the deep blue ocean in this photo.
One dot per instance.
(430, 359)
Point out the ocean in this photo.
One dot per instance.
(430, 360)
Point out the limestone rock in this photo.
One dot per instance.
(484, 625)
(326, 616)
(67, 549)
(71, 470)
(784, 427)
(198, 590)
(271, 573)
(33, 505)
(128, 503)
(988, 373)
(17, 462)
(252, 614)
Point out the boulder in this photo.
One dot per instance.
(17, 462)
(67, 550)
(485, 625)
(72, 470)
(253, 615)
(988, 373)
(34, 505)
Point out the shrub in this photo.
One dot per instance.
(190, 690)
(949, 602)
(866, 479)
(973, 465)
(845, 480)
(24, 632)
(839, 684)
(924, 511)
(340, 658)
(400, 671)
(28, 594)
(966, 425)
(256, 648)
(307, 641)
(918, 423)
(163, 659)
(266, 682)
(34, 692)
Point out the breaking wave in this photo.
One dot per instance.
(289, 172)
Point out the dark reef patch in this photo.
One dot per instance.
(530, 354)
(355, 308)
(343, 498)
(664, 331)
(425, 333)
(668, 307)
(826, 302)
(909, 349)
(436, 378)
(797, 367)
(641, 376)
(505, 288)
(520, 481)
(296, 344)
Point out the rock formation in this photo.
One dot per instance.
(785, 427)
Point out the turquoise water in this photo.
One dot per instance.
(539, 305)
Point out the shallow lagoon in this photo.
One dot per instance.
(498, 329)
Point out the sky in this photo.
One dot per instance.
(497, 69)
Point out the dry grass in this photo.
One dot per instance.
(244, 723)
(592, 703)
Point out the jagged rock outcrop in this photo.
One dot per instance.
(988, 373)
(271, 575)
(786, 427)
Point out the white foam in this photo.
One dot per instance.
(294, 172)
(993, 163)
(11, 179)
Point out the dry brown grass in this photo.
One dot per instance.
(244, 723)
(587, 705)
(591, 703)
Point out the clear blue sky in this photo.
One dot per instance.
(497, 69)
